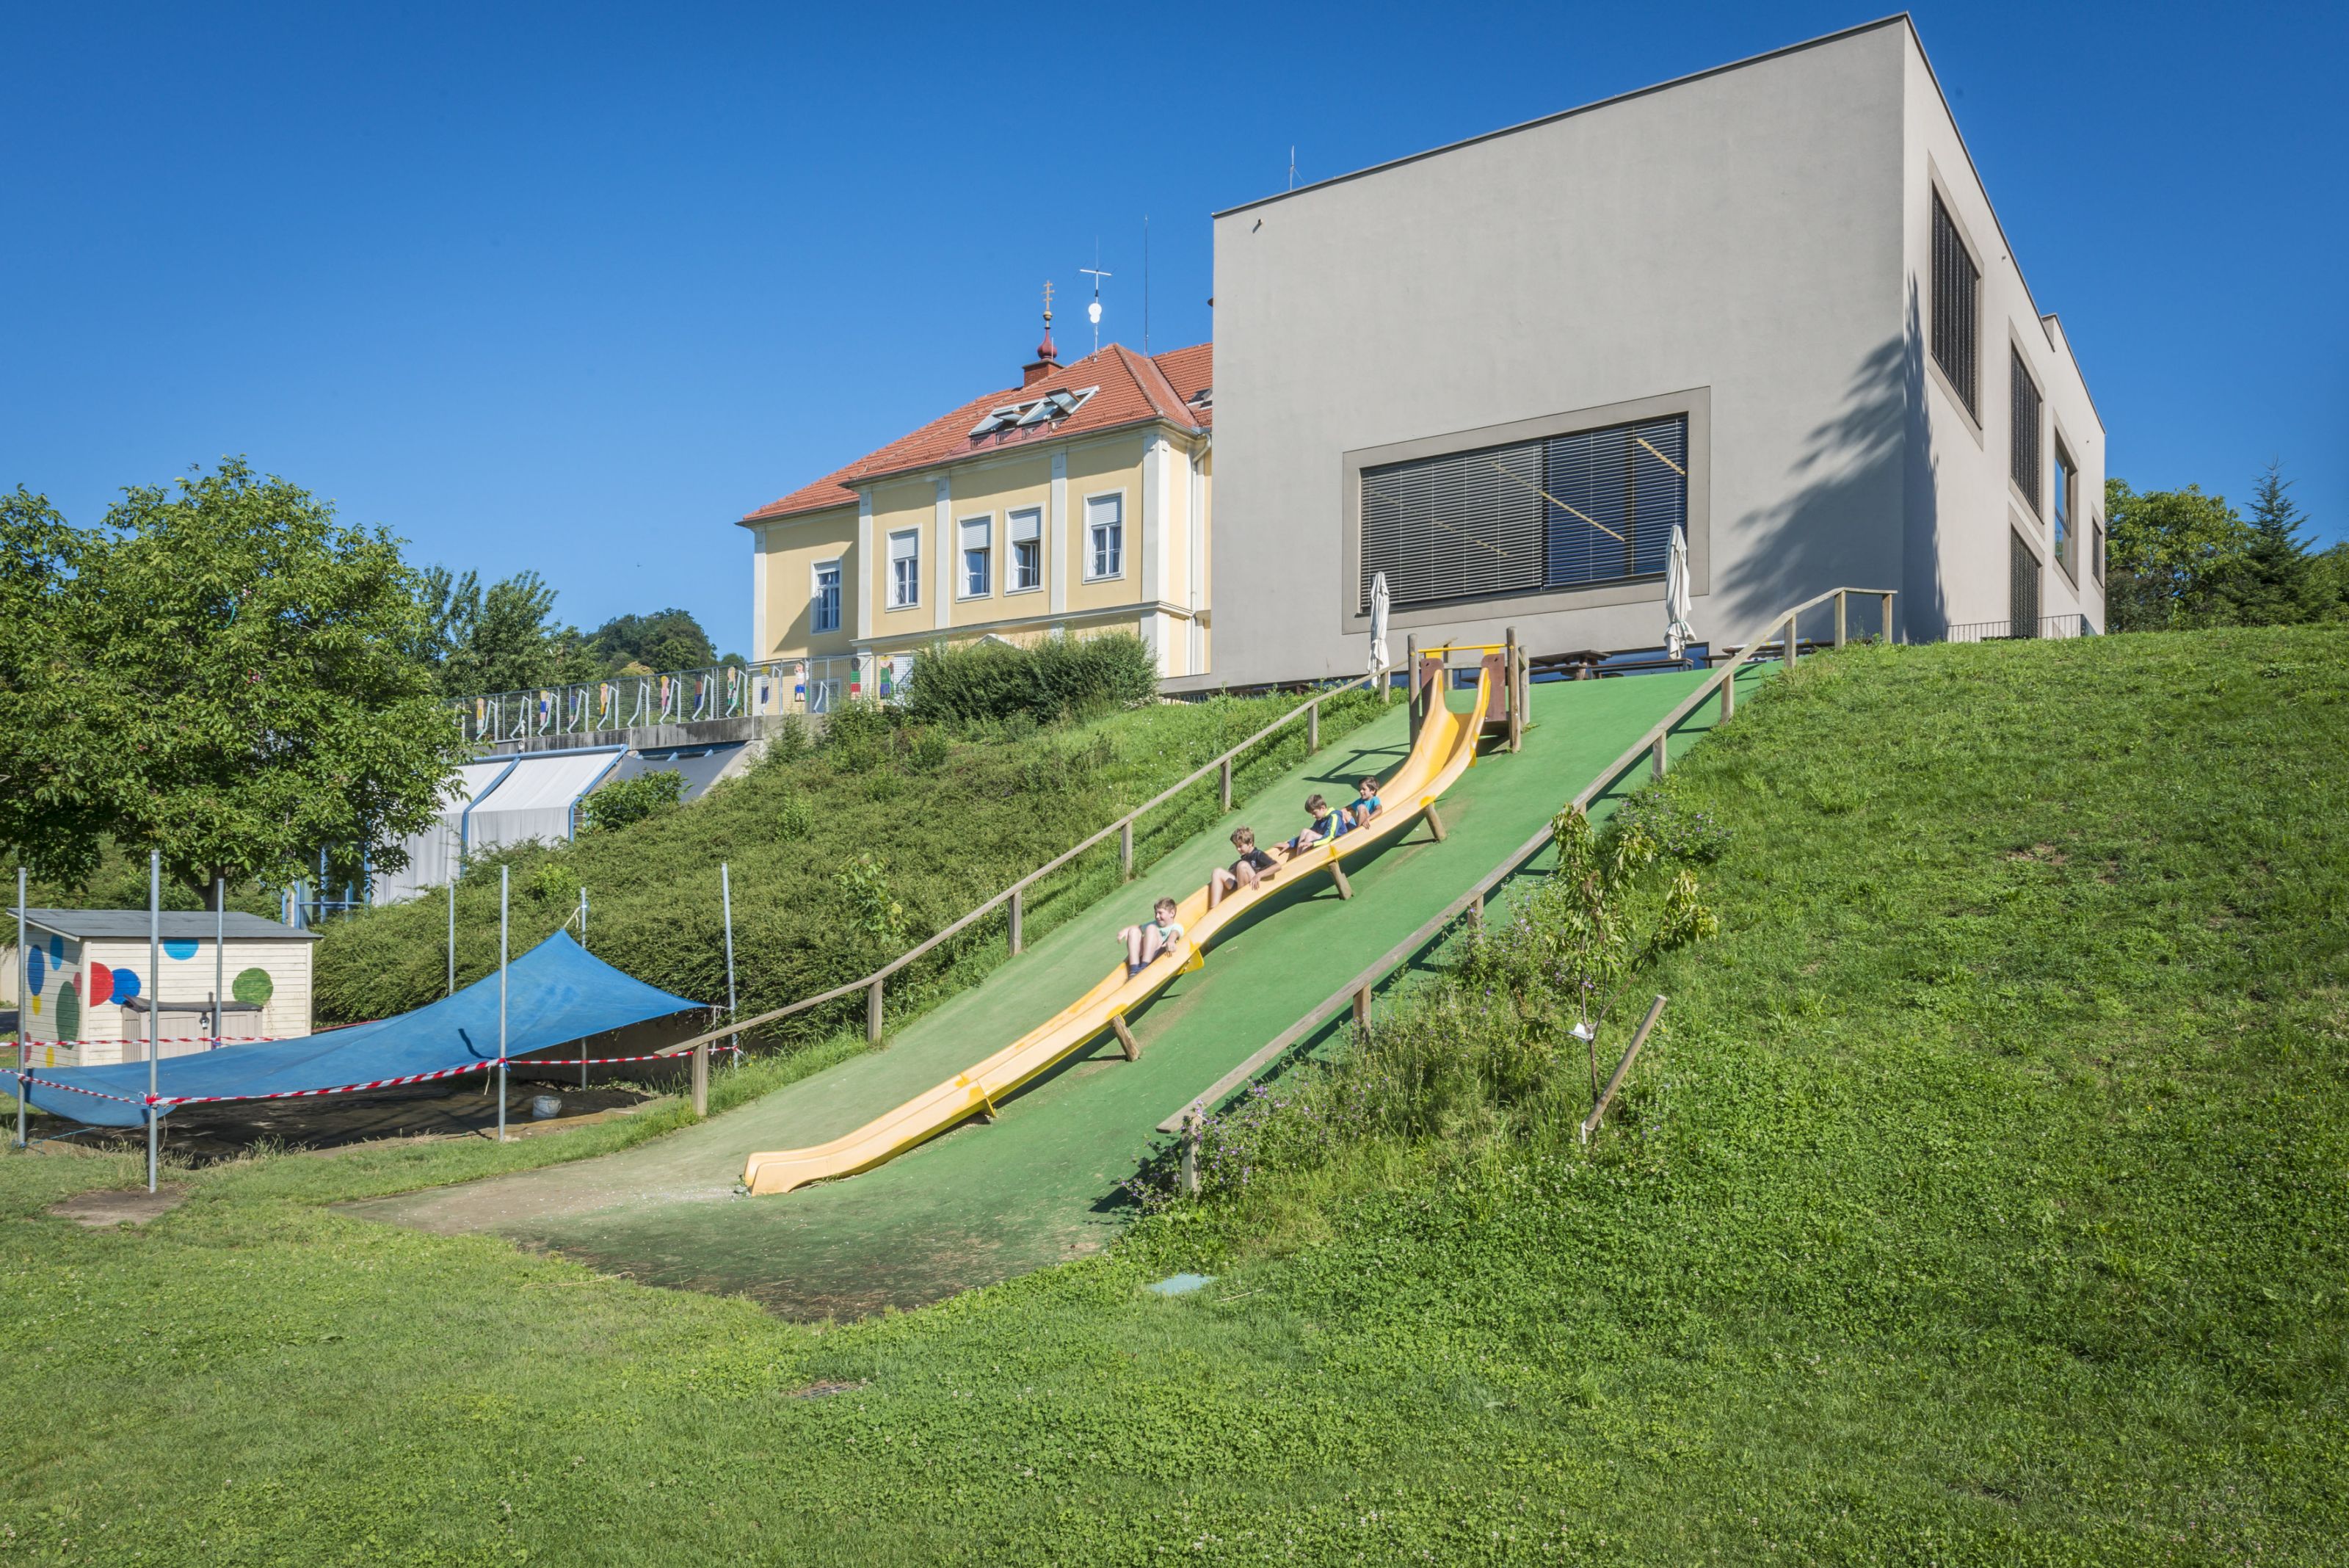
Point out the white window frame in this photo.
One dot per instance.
(906, 570)
(986, 552)
(817, 624)
(1011, 584)
(1093, 555)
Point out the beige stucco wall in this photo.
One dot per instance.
(792, 549)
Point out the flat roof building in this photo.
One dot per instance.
(1769, 304)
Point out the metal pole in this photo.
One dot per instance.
(24, 1009)
(582, 917)
(726, 903)
(155, 997)
(219, 959)
(1411, 683)
(452, 936)
(505, 878)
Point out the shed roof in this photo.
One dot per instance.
(179, 925)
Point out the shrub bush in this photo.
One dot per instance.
(1056, 678)
(625, 801)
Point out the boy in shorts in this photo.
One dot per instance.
(1366, 801)
(1146, 945)
(1325, 825)
(1253, 867)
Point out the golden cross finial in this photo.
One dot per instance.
(1048, 299)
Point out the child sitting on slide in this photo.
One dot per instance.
(1325, 825)
(1366, 801)
(1144, 945)
(1252, 868)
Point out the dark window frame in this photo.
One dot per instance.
(1955, 328)
(2024, 572)
(2026, 435)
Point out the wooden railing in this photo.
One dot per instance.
(1780, 637)
(1012, 898)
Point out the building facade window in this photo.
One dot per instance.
(978, 557)
(823, 597)
(1957, 293)
(1562, 511)
(2026, 406)
(2062, 494)
(1026, 529)
(2022, 588)
(1104, 536)
(2097, 548)
(906, 569)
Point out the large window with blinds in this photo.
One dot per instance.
(2022, 588)
(1558, 512)
(1956, 296)
(2024, 446)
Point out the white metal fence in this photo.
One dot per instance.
(678, 696)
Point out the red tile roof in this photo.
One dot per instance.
(1134, 389)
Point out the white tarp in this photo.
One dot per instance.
(433, 854)
(537, 798)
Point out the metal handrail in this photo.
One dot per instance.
(872, 984)
(1650, 746)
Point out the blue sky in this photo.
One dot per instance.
(570, 288)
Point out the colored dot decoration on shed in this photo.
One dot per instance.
(181, 947)
(126, 984)
(68, 1012)
(37, 970)
(253, 985)
(57, 949)
(101, 983)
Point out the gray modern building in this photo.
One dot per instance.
(1771, 304)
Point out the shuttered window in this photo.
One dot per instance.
(1592, 506)
(2023, 447)
(1956, 294)
(2022, 588)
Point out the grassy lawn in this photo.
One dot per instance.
(1981, 1200)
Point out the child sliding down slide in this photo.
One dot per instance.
(1252, 868)
(1144, 945)
(1325, 825)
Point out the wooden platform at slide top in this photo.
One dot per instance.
(1041, 1185)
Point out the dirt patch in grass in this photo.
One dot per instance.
(100, 1210)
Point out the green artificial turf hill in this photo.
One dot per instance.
(1982, 1199)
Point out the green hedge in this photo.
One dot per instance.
(1054, 678)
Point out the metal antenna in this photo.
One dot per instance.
(1292, 166)
(1093, 311)
(1145, 285)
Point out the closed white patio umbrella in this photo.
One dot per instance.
(1677, 607)
(1379, 661)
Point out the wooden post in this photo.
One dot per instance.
(1190, 1133)
(1509, 681)
(1363, 1008)
(701, 1080)
(1477, 912)
(872, 1014)
(1840, 598)
(1016, 894)
(1126, 850)
(1729, 691)
(1410, 684)
(1590, 1123)
(1887, 618)
(1224, 788)
(1657, 758)
(1345, 888)
(1793, 649)
(1125, 1037)
(1313, 726)
(1434, 823)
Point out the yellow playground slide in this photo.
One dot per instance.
(1445, 748)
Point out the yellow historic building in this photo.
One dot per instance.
(1077, 502)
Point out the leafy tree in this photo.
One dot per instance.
(503, 638)
(2331, 571)
(226, 674)
(2168, 552)
(664, 639)
(2274, 583)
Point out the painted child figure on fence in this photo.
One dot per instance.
(1327, 825)
(1144, 945)
(1253, 867)
(1366, 803)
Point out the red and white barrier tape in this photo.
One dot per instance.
(355, 1088)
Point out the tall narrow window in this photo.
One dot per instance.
(823, 597)
(905, 568)
(1027, 531)
(2022, 588)
(2023, 445)
(977, 562)
(1104, 535)
(1956, 294)
(2061, 516)
(2096, 547)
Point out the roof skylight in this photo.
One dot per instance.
(1033, 412)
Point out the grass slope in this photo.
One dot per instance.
(1982, 1202)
